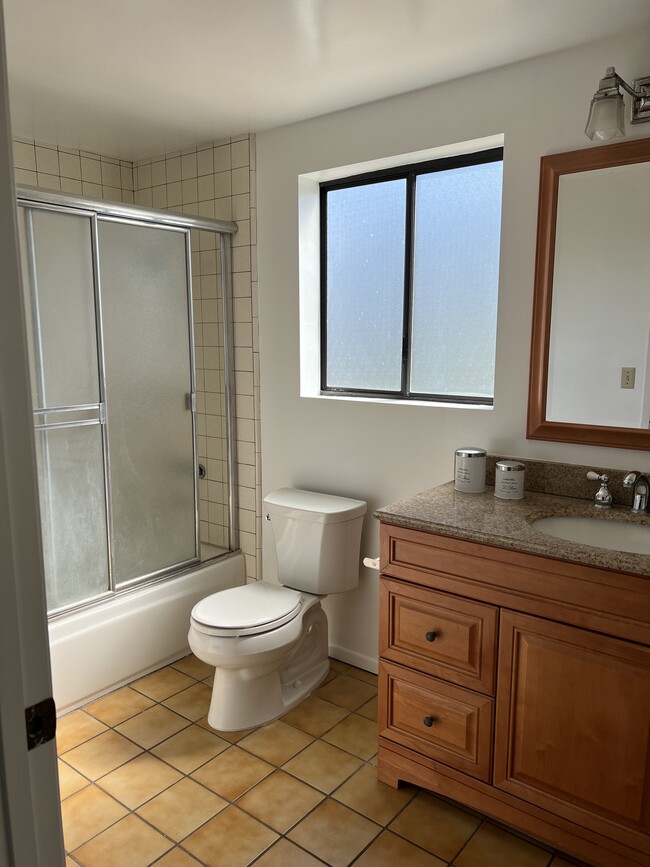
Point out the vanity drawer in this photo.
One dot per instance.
(440, 634)
(443, 722)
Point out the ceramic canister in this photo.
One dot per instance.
(469, 470)
(509, 480)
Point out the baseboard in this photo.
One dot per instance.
(359, 660)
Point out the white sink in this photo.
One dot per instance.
(614, 535)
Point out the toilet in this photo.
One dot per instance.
(268, 642)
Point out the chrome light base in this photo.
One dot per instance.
(640, 110)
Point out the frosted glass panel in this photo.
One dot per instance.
(455, 284)
(147, 354)
(73, 514)
(59, 271)
(365, 286)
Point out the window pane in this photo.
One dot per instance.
(365, 286)
(455, 282)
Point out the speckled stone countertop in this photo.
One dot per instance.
(508, 523)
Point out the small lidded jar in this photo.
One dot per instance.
(469, 470)
(509, 480)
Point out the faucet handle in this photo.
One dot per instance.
(603, 498)
(630, 479)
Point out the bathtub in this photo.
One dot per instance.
(104, 646)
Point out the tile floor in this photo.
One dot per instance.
(145, 781)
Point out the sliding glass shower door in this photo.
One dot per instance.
(113, 393)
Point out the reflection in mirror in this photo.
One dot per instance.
(590, 358)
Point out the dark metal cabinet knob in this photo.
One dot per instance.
(429, 721)
(430, 636)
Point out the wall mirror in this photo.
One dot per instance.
(590, 352)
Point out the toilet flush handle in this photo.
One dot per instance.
(371, 562)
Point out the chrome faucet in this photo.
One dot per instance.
(603, 497)
(640, 484)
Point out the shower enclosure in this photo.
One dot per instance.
(119, 392)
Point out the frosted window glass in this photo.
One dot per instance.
(365, 286)
(63, 342)
(455, 283)
(147, 353)
(73, 514)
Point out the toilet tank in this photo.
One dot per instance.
(317, 539)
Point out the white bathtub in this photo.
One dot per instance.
(105, 646)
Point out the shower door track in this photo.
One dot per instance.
(118, 212)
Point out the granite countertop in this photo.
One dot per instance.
(508, 523)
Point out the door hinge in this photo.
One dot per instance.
(40, 723)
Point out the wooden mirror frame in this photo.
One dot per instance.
(551, 169)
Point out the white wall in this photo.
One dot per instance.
(385, 452)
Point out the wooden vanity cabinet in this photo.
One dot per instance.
(519, 686)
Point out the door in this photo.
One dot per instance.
(30, 824)
(573, 724)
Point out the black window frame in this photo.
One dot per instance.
(409, 173)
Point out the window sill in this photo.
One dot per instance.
(396, 402)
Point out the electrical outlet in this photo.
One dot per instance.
(627, 377)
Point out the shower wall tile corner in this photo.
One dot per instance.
(214, 179)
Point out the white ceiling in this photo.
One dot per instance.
(133, 78)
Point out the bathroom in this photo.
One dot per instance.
(381, 452)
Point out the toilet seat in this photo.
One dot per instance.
(248, 610)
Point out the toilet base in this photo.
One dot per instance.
(250, 696)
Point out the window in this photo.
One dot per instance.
(409, 280)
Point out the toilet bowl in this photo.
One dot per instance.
(268, 643)
(262, 669)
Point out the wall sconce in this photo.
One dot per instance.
(606, 112)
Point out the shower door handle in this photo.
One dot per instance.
(191, 401)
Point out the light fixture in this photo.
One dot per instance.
(606, 112)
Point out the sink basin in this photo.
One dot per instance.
(614, 535)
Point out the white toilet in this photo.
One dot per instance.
(268, 643)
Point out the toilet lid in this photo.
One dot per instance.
(252, 608)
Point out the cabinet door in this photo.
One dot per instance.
(573, 724)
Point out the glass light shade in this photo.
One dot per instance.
(606, 119)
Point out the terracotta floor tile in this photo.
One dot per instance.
(163, 683)
(69, 780)
(181, 809)
(323, 766)
(355, 734)
(232, 773)
(338, 666)
(193, 667)
(365, 676)
(334, 833)
(75, 728)
(153, 726)
(287, 854)
(233, 737)
(369, 709)
(493, 847)
(189, 749)
(192, 703)
(379, 802)
(87, 813)
(139, 780)
(389, 849)
(435, 825)
(118, 706)
(177, 858)
(276, 742)
(347, 692)
(101, 755)
(315, 716)
(280, 801)
(131, 841)
(231, 839)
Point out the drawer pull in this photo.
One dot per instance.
(431, 636)
(429, 721)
